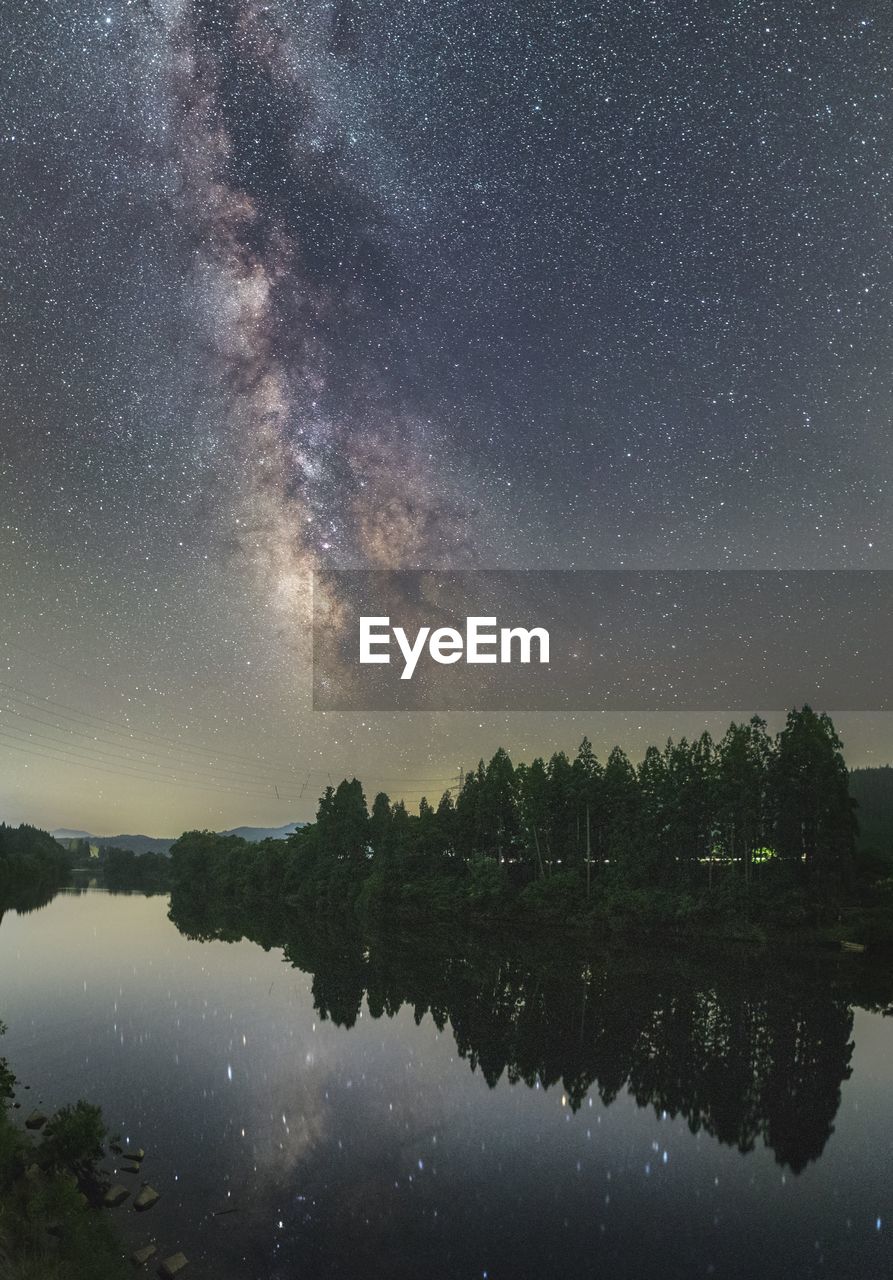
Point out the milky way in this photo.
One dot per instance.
(296, 285)
(289, 269)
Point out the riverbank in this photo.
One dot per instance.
(60, 1176)
(52, 1225)
(775, 902)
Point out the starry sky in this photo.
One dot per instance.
(362, 284)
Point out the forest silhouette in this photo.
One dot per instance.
(744, 832)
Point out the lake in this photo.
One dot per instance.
(328, 1106)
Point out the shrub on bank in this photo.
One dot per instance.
(50, 1225)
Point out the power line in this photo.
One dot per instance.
(60, 754)
(146, 734)
(40, 702)
(164, 773)
(204, 776)
(146, 768)
(84, 729)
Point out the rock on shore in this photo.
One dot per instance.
(145, 1199)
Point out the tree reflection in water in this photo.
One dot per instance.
(744, 1046)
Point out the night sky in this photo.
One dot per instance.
(397, 284)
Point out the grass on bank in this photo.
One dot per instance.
(52, 1226)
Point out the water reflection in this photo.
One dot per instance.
(30, 898)
(26, 899)
(745, 1047)
(291, 1133)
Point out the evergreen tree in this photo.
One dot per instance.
(533, 808)
(815, 823)
(623, 816)
(446, 826)
(743, 767)
(498, 826)
(469, 813)
(564, 834)
(691, 788)
(343, 822)
(655, 812)
(588, 777)
(380, 822)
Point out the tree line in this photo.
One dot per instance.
(732, 820)
(122, 869)
(31, 863)
(872, 789)
(686, 807)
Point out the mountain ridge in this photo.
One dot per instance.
(162, 844)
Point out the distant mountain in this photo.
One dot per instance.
(265, 833)
(162, 844)
(138, 844)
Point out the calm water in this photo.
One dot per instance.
(616, 1117)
